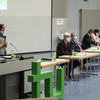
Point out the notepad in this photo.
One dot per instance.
(89, 50)
(46, 59)
(7, 57)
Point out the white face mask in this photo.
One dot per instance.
(92, 35)
(75, 37)
(2, 32)
(68, 39)
(97, 34)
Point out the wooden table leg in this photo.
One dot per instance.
(81, 66)
(54, 68)
(65, 70)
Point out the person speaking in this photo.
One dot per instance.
(3, 42)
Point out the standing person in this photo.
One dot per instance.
(63, 48)
(3, 42)
(87, 41)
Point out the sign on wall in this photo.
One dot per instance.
(60, 21)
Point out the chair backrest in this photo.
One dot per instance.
(49, 98)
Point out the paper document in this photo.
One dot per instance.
(8, 57)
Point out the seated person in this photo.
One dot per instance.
(74, 44)
(96, 32)
(63, 48)
(87, 40)
(95, 35)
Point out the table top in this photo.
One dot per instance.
(81, 55)
(53, 63)
(92, 50)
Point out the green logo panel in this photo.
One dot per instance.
(36, 77)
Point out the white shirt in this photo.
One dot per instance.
(93, 37)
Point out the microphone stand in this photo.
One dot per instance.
(21, 57)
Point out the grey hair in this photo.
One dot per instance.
(66, 34)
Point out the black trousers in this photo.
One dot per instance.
(76, 63)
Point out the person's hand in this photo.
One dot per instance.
(96, 37)
(97, 42)
(75, 53)
(5, 43)
(82, 51)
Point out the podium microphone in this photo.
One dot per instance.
(21, 57)
(24, 56)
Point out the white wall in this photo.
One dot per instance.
(73, 14)
(59, 11)
(27, 8)
(28, 25)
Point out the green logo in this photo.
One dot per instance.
(37, 76)
(1, 1)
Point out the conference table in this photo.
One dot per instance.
(92, 50)
(81, 56)
(54, 63)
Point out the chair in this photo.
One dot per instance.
(93, 63)
(62, 66)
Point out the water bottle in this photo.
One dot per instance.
(98, 48)
(72, 52)
(54, 56)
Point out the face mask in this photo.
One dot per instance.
(2, 32)
(75, 37)
(92, 35)
(68, 39)
(97, 34)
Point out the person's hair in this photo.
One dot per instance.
(91, 30)
(1, 26)
(72, 34)
(65, 34)
(96, 31)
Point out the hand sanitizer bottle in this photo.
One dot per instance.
(98, 47)
(12, 55)
(72, 52)
(54, 56)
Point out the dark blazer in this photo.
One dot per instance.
(61, 49)
(87, 41)
(73, 45)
